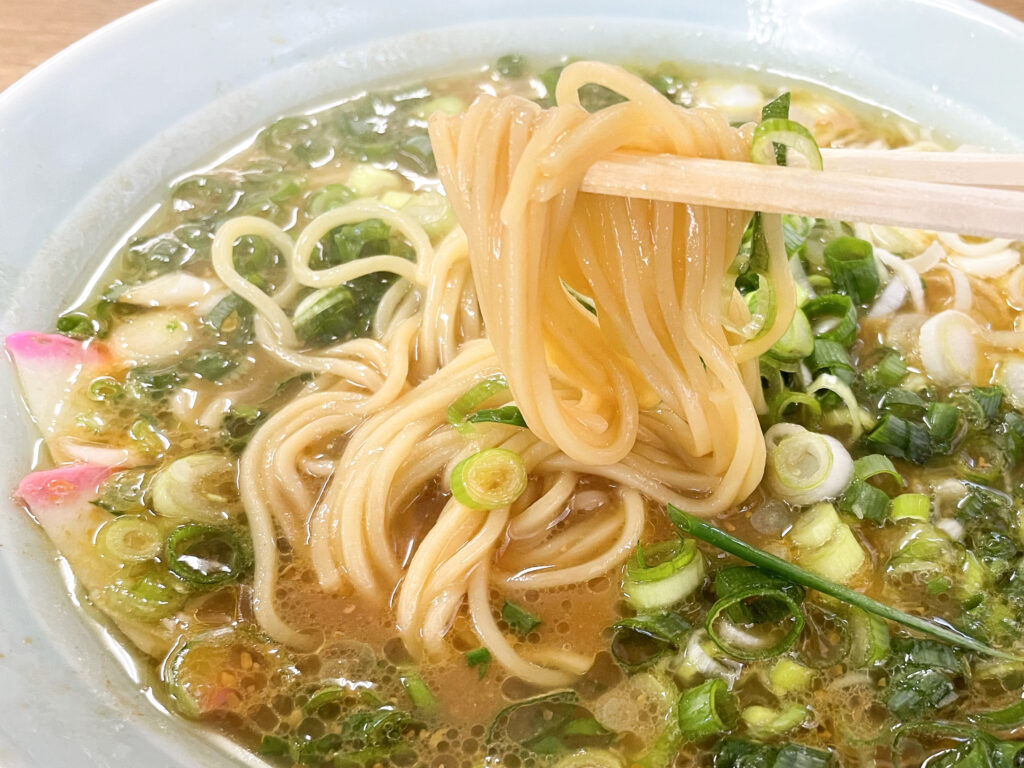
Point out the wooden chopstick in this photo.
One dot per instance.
(855, 197)
(979, 169)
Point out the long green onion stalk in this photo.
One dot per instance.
(690, 525)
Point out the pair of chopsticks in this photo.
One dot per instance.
(960, 192)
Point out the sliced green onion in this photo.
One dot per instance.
(253, 255)
(835, 384)
(917, 691)
(814, 527)
(887, 372)
(368, 181)
(778, 409)
(787, 676)
(324, 696)
(284, 187)
(432, 211)
(980, 459)
(146, 383)
(510, 65)
(519, 620)
(202, 487)
(787, 133)
(741, 753)
(1005, 719)
(830, 356)
(349, 242)
(329, 197)
(212, 364)
(763, 306)
(419, 692)
(468, 402)
(580, 298)
(869, 638)
(989, 400)
(975, 749)
(479, 658)
(840, 307)
(852, 264)
(777, 109)
(105, 389)
(546, 724)
(942, 420)
(509, 415)
(797, 342)
(240, 424)
(147, 437)
(706, 709)
(765, 722)
(1013, 431)
(891, 370)
(662, 574)
(916, 506)
(77, 325)
(225, 308)
(903, 403)
(326, 315)
(924, 549)
(747, 273)
(130, 539)
(826, 545)
(820, 283)
(124, 493)
(839, 559)
(153, 596)
(492, 478)
(170, 671)
(903, 439)
(702, 659)
(794, 235)
(973, 576)
(639, 641)
(804, 467)
(415, 152)
(753, 648)
(760, 608)
(823, 231)
(199, 671)
(207, 556)
(693, 526)
(873, 465)
(864, 501)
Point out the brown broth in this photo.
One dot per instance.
(265, 690)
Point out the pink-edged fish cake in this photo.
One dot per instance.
(50, 369)
(61, 500)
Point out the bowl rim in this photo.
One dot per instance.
(126, 25)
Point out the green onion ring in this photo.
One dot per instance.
(727, 602)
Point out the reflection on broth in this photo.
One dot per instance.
(366, 442)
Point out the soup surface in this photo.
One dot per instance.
(903, 354)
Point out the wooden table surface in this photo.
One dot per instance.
(33, 30)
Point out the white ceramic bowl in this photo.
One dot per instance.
(92, 138)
